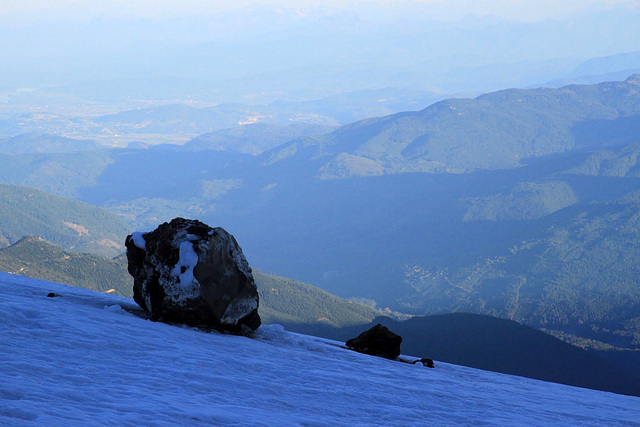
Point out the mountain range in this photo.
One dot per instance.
(498, 130)
(519, 204)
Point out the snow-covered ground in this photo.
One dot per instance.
(83, 359)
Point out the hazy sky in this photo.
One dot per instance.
(296, 46)
(440, 9)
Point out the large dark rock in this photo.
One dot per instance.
(377, 341)
(185, 271)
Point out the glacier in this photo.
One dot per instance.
(86, 358)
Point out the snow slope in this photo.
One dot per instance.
(83, 359)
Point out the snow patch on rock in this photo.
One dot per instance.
(138, 240)
(183, 270)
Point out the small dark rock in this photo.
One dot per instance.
(377, 341)
(52, 295)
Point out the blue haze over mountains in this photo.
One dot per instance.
(519, 203)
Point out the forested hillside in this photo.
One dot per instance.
(494, 131)
(69, 223)
(37, 258)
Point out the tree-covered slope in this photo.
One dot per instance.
(43, 143)
(34, 257)
(494, 131)
(71, 224)
(62, 174)
(288, 302)
(254, 138)
(574, 270)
